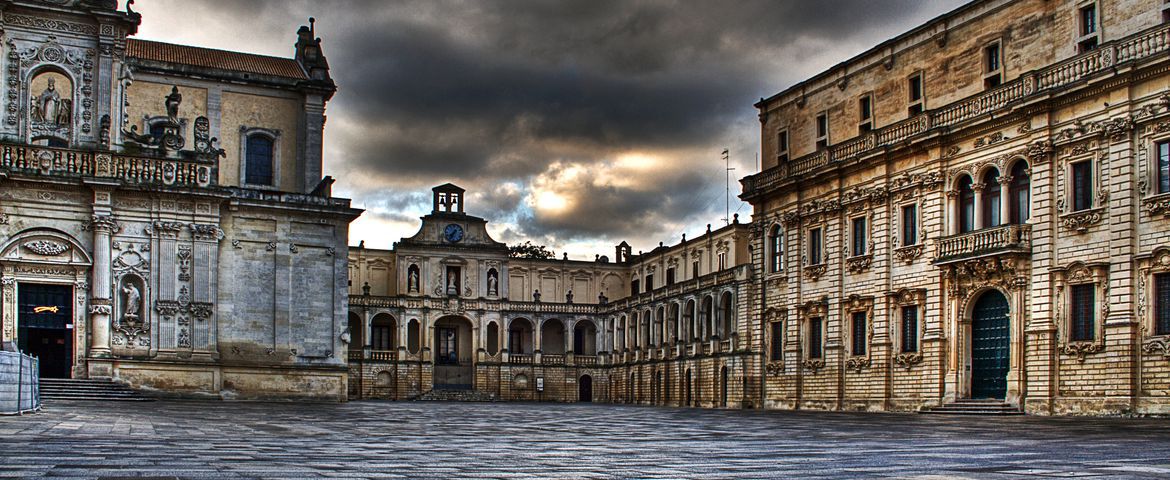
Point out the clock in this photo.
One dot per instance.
(453, 233)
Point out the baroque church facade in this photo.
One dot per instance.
(159, 205)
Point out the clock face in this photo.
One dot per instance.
(453, 233)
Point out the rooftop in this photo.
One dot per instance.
(212, 58)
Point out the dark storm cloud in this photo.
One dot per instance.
(502, 96)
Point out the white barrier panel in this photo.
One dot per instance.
(19, 383)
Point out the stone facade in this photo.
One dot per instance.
(131, 245)
(628, 330)
(1002, 166)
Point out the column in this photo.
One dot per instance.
(103, 227)
(977, 222)
(1005, 200)
(951, 213)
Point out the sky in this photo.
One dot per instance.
(572, 124)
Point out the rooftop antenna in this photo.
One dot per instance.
(727, 184)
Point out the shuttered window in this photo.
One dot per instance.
(909, 329)
(814, 338)
(859, 331)
(777, 341)
(1162, 303)
(1082, 327)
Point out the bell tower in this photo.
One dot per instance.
(448, 199)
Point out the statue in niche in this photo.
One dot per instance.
(50, 108)
(493, 284)
(452, 289)
(131, 302)
(172, 102)
(412, 281)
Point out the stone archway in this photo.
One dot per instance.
(990, 345)
(40, 265)
(454, 353)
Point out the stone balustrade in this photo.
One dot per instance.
(988, 241)
(37, 161)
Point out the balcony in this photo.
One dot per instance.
(985, 242)
(45, 162)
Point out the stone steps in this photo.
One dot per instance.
(81, 389)
(455, 395)
(974, 407)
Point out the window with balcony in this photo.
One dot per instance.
(1162, 169)
(966, 204)
(917, 94)
(1083, 321)
(858, 335)
(1020, 194)
(814, 246)
(910, 224)
(992, 196)
(992, 65)
(815, 338)
(776, 249)
(782, 146)
(1087, 19)
(865, 113)
(1082, 185)
(859, 233)
(822, 130)
(909, 326)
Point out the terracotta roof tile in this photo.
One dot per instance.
(211, 58)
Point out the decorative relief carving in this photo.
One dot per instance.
(1080, 349)
(988, 140)
(50, 24)
(47, 248)
(1115, 129)
(213, 233)
(814, 364)
(167, 229)
(774, 369)
(1081, 221)
(857, 364)
(1157, 346)
(1158, 205)
(859, 263)
(183, 260)
(909, 253)
(814, 272)
(907, 360)
(1039, 151)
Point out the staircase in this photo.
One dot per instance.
(968, 406)
(78, 389)
(455, 395)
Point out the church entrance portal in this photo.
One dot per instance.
(45, 319)
(990, 346)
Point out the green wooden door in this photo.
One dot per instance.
(990, 346)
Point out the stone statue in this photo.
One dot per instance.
(493, 284)
(172, 102)
(602, 299)
(412, 282)
(569, 296)
(48, 107)
(452, 289)
(536, 295)
(131, 302)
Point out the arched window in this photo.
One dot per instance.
(383, 332)
(412, 336)
(689, 320)
(708, 324)
(620, 334)
(776, 242)
(992, 196)
(520, 337)
(659, 327)
(966, 205)
(259, 159)
(1020, 195)
(728, 314)
(493, 338)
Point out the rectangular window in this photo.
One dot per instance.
(777, 347)
(909, 224)
(916, 94)
(992, 66)
(1163, 173)
(1162, 304)
(859, 234)
(822, 130)
(776, 239)
(814, 338)
(1088, 25)
(722, 260)
(909, 329)
(814, 246)
(1166, 11)
(670, 276)
(695, 269)
(1082, 173)
(649, 282)
(782, 146)
(865, 113)
(634, 287)
(1083, 324)
(859, 333)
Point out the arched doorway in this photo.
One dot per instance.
(585, 389)
(453, 359)
(990, 346)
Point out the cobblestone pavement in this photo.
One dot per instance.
(448, 440)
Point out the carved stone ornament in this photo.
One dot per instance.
(1080, 349)
(1159, 205)
(212, 233)
(908, 254)
(857, 364)
(204, 142)
(201, 310)
(814, 272)
(1157, 346)
(907, 360)
(1116, 129)
(774, 369)
(859, 263)
(100, 310)
(167, 229)
(47, 248)
(813, 365)
(1081, 221)
(1040, 151)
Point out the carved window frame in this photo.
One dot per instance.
(819, 311)
(1154, 203)
(1150, 265)
(1081, 221)
(853, 305)
(902, 300)
(899, 236)
(1082, 273)
(824, 228)
(247, 132)
(775, 234)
